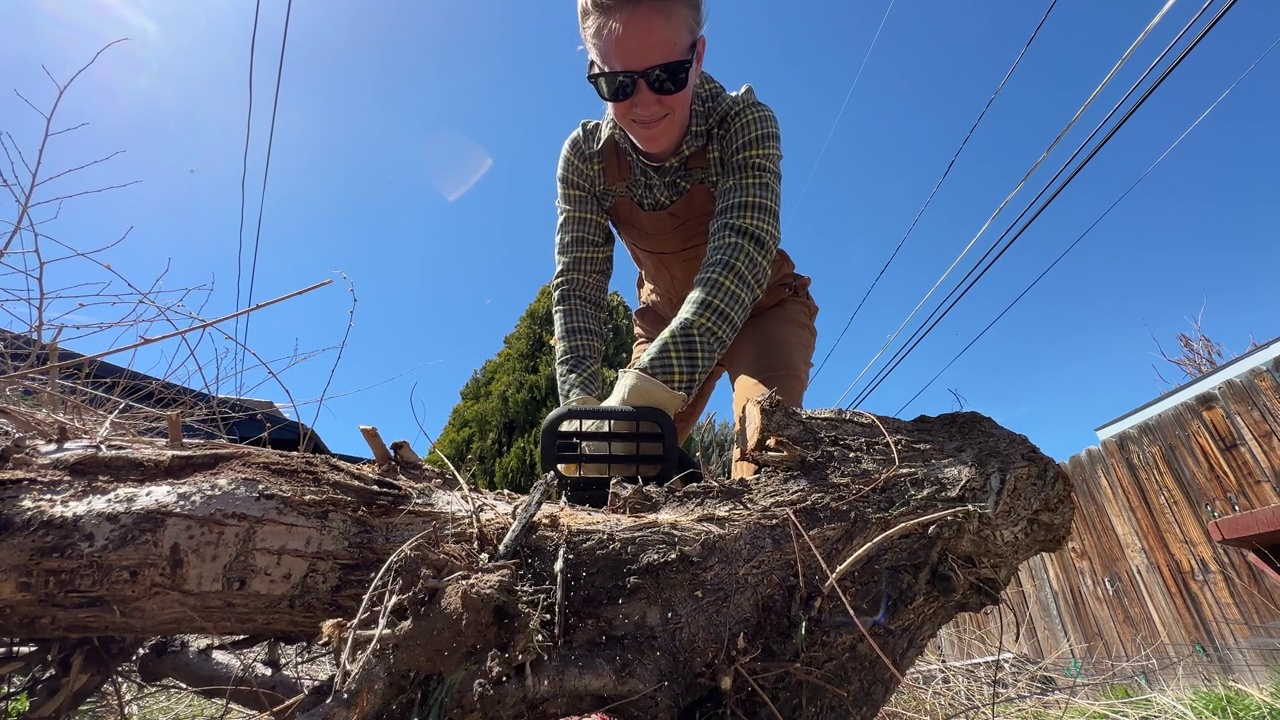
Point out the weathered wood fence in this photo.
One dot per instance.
(1142, 590)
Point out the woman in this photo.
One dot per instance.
(689, 177)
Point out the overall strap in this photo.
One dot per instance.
(617, 170)
(617, 167)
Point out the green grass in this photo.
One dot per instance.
(1114, 702)
(1227, 702)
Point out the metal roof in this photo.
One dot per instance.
(1261, 355)
(204, 416)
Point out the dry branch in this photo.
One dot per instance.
(166, 336)
(218, 675)
(660, 612)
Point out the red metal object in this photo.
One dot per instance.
(1256, 531)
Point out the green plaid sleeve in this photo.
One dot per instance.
(584, 265)
(743, 239)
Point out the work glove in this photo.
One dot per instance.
(572, 469)
(632, 389)
(635, 389)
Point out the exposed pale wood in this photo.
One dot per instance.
(381, 455)
(175, 429)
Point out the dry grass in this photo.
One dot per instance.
(1016, 688)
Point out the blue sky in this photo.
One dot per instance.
(416, 142)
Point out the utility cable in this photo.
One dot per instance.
(840, 114)
(1092, 226)
(1089, 102)
(917, 336)
(266, 171)
(244, 178)
(937, 185)
(902, 354)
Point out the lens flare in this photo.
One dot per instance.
(455, 163)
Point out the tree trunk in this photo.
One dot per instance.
(218, 675)
(671, 602)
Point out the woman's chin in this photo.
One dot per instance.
(654, 139)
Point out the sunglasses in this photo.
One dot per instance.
(668, 78)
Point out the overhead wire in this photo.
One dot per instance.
(840, 114)
(1017, 188)
(244, 178)
(924, 331)
(934, 318)
(1095, 223)
(936, 186)
(266, 171)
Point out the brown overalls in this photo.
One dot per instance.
(773, 350)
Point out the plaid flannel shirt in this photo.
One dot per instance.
(744, 158)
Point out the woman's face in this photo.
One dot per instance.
(647, 35)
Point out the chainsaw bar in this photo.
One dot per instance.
(585, 436)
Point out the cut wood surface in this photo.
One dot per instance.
(667, 602)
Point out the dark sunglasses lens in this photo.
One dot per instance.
(615, 87)
(669, 79)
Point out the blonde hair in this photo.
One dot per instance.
(598, 18)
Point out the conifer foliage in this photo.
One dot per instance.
(493, 432)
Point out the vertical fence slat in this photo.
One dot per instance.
(1141, 583)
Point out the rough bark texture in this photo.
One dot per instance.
(670, 603)
(218, 675)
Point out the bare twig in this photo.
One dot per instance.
(308, 433)
(773, 708)
(633, 698)
(167, 336)
(25, 206)
(78, 168)
(865, 550)
(847, 605)
(344, 661)
(462, 481)
(560, 571)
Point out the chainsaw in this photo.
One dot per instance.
(585, 436)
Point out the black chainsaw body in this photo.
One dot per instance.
(586, 438)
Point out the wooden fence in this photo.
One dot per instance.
(1142, 590)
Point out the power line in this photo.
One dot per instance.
(902, 354)
(244, 178)
(266, 171)
(1017, 188)
(1093, 225)
(840, 114)
(919, 334)
(937, 185)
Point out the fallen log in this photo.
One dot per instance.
(218, 675)
(805, 592)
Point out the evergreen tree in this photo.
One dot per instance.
(494, 430)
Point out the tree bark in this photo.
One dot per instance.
(669, 603)
(219, 675)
